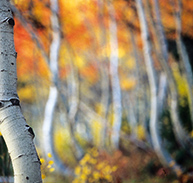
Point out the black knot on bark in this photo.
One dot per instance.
(15, 102)
(11, 21)
(1, 104)
(30, 130)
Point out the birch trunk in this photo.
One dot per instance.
(17, 134)
(53, 92)
(184, 56)
(180, 132)
(142, 112)
(104, 100)
(162, 153)
(73, 100)
(151, 74)
(116, 91)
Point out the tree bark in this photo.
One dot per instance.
(184, 56)
(53, 92)
(104, 100)
(162, 153)
(179, 131)
(114, 76)
(16, 133)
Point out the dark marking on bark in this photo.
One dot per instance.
(11, 21)
(15, 102)
(12, 63)
(20, 156)
(27, 178)
(30, 130)
(1, 104)
(38, 159)
(3, 70)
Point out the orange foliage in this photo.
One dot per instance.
(84, 25)
(29, 60)
(24, 46)
(90, 73)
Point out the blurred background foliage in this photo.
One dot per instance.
(85, 87)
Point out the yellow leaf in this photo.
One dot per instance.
(122, 52)
(79, 62)
(99, 108)
(140, 132)
(77, 170)
(128, 83)
(49, 155)
(49, 166)
(91, 180)
(83, 161)
(83, 177)
(107, 169)
(100, 166)
(51, 162)
(108, 177)
(180, 81)
(130, 63)
(96, 175)
(191, 133)
(93, 161)
(95, 153)
(114, 168)
(96, 131)
(27, 93)
(86, 170)
(43, 176)
(42, 160)
(52, 169)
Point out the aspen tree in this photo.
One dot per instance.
(114, 76)
(16, 133)
(160, 150)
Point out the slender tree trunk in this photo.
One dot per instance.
(184, 56)
(129, 110)
(142, 112)
(104, 101)
(53, 93)
(180, 133)
(73, 100)
(162, 153)
(17, 134)
(151, 74)
(116, 91)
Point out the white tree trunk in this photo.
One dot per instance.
(114, 76)
(104, 100)
(53, 92)
(143, 111)
(162, 153)
(151, 76)
(184, 56)
(17, 134)
(179, 131)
